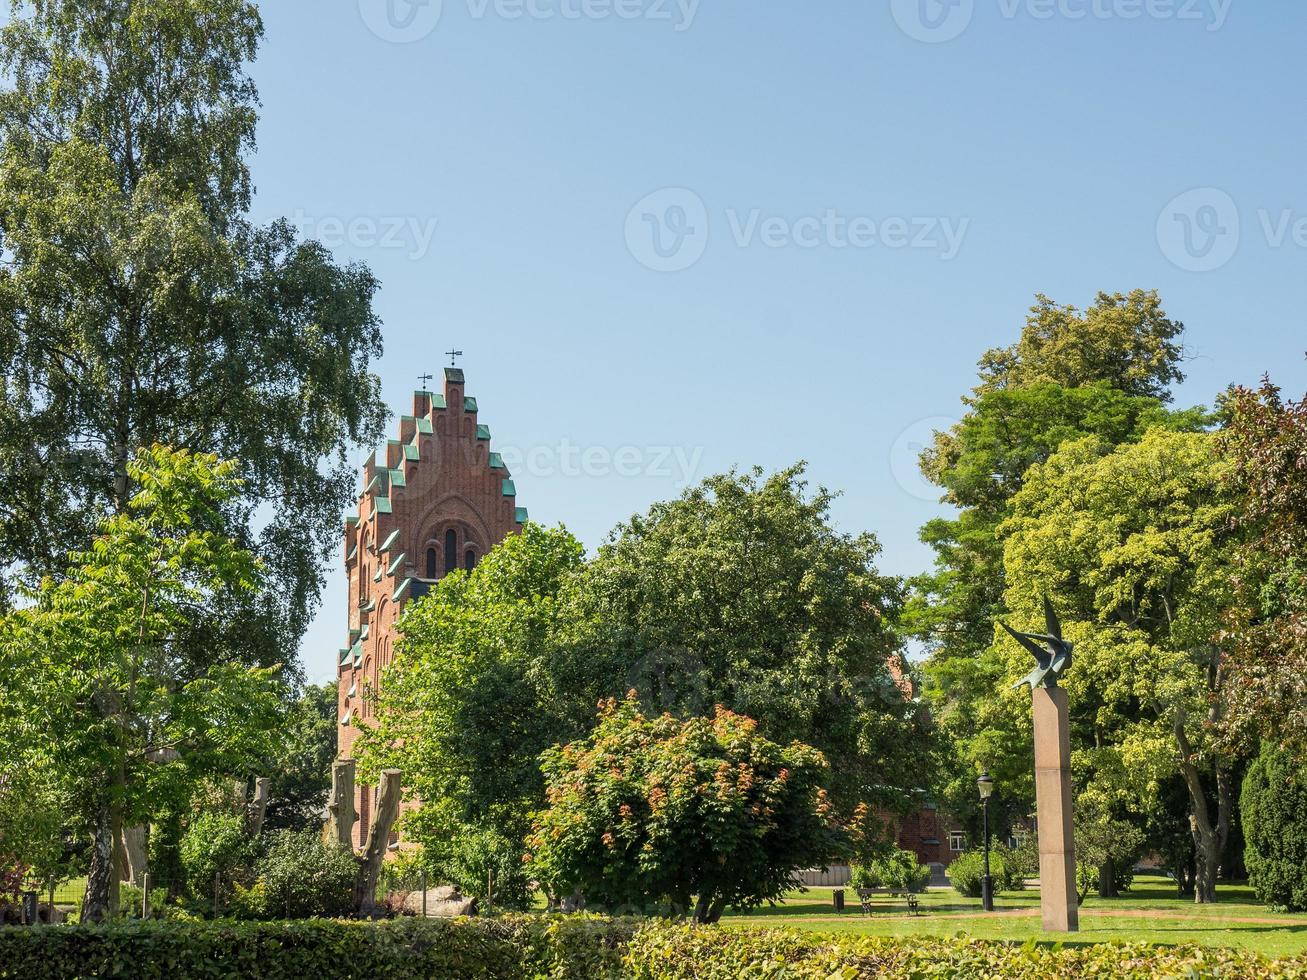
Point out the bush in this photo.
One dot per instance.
(573, 948)
(130, 900)
(1274, 803)
(481, 857)
(898, 871)
(215, 847)
(965, 872)
(303, 876)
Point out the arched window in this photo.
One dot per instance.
(470, 559)
(431, 563)
(451, 550)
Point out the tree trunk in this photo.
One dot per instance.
(1107, 879)
(258, 808)
(135, 854)
(1209, 836)
(374, 851)
(340, 806)
(100, 876)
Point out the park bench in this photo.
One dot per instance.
(865, 896)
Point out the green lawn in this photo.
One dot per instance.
(1149, 912)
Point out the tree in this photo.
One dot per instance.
(1274, 809)
(1266, 438)
(301, 772)
(1124, 340)
(103, 680)
(1133, 544)
(138, 304)
(479, 687)
(741, 593)
(703, 813)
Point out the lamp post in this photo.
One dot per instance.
(986, 786)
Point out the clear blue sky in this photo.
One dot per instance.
(852, 201)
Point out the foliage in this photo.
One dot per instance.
(32, 845)
(1132, 543)
(214, 848)
(536, 947)
(130, 902)
(139, 304)
(103, 680)
(1266, 439)
(1105, 845)
(967, 870)
(741, 593)
(897, 870)
(487, 866)
(1274, 810)
(647, 811)
(301, 875)
(301, 772)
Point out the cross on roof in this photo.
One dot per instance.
(425, 379)
(454, 355)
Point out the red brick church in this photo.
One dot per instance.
(439, 500)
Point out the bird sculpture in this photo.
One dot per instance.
(1051, 652)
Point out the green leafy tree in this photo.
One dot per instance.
(102, 675)
(301, 771)
(215, 850)
(741, 593)
(1133, 544)
(703, 813)
(1274, 810)
(479, 687)
(139, 305)
(1266, 439)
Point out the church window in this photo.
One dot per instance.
(431, 563)
(451, 550)
(470, 559)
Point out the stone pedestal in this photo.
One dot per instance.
(1057, 851)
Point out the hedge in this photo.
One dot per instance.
(562, 948)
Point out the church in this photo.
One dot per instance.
(439, 500)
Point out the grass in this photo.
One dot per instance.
(1150, 912)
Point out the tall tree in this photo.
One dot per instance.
(301, 772)
(102, 675)
(1134, 546)
(741, 593)
(1266, 438)
(138, 304)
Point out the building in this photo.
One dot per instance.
(439, 500)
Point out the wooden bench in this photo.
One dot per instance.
(865, 896)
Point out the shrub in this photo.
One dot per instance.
(1274, 803)
(575, 947)
(215, 847)
(130, 902)
(303, 876)
(897, 870)
(481, 858)
(965, 872)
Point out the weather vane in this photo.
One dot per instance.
(454, 355)
(1051, 652)
(425, 379)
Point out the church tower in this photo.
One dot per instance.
(439, 500)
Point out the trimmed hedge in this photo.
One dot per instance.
(563, 948)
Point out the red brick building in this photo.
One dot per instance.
(439, 500)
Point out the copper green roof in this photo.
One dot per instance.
(352, 519)
(509, 489)
(469, 404)
(352, 552)
(390, 541)
(399, 560)
(521, 515)
(372, 604)
(363, 633)
(383, 505)
(344, 656)
(496, 461)
(373, 485)
(411, 452)
(483, 432)
(402, 589)
(454, 375)
(424, 427)
(397, 478)
(377, 575)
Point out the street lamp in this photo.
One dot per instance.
(986, 786)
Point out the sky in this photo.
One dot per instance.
(673, 237)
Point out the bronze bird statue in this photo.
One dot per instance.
(1051, 652)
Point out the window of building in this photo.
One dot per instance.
(957, 841)
(470, 559)
(431, 563)
(451, 550)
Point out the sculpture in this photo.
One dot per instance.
(1053, 656)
